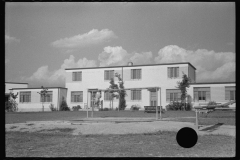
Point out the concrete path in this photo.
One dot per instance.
(119, 126)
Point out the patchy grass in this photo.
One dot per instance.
(13, 127)
(226, 117)
(159, 144)
(57, 130)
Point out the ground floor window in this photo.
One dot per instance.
(136, 94)
(107, 96)
(201, 94)
(77, 96)
(47, 97)
(25, 96)
(173, 95)
(230, 93)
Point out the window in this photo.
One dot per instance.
(25, 96)
(77, 76)
(77, 96)
(47, 97)
(229, 93)
(136, 74)
(201, 94)
(173, 95)
(107, 96)
(108, 74)
(136, 95)
(173, 72)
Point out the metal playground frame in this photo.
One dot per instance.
(157, 89)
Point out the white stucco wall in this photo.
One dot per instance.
(217, 92)
(36, 105)
(152, 76)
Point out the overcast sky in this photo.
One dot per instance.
(42, 39)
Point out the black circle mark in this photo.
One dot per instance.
(187, 137)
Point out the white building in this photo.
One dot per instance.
(29, 99)
(83, 82)
(10, 85)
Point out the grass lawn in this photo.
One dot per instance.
(62, 144)
(225, 117)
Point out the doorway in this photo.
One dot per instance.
(153, 98)
(92, 100)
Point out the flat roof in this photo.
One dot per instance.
(212, 83)
(16, 83)
(37, 88)
(133, 66)
(108, 89)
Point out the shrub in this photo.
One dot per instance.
(76, 108)
(64, 106)
(11, 106)
(51, 106)
(105, 109)
(174, 106)
(135, 107)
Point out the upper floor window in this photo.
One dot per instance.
(136, 73)
(77, 96)
(201, 94)
(108, 74)
(25, 96)
(230, 93)
(173, 95)
(47, 97)
(136, 95)
(77, 76)
(173, 72)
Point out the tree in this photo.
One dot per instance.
(183, 85)
(11, 104)
(122, 93)
(43, 94)
(113, 93)
(64, 106)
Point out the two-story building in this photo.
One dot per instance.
(82, 83)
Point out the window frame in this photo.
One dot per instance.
(76, 98)
(107, 96)
(136, 74)
(136, 95)
(202, 94)
(174, 95)
(46, 98)
(77, 76)
(25, 97)
(173, 72)
(108, 75)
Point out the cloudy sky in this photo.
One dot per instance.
(42, 39)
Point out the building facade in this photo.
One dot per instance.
(29, 99)
(83, 84)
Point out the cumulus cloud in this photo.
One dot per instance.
(9, 39)
(92, 37)
(57, 77)
(115, 56)
(211, 66)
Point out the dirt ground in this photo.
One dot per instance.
(119, 126)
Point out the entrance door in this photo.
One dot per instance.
(153, 98)
(93, 94)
